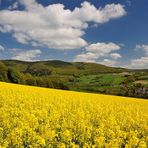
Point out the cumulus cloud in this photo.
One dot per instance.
(86, 57)
(115, 56)
(142, 62)
(28, 55)
(102, 49)
(109, 62)
(14, 6)
(54, 26)
(97, 50)
(2, 48)
(143, 47)
(139, 63)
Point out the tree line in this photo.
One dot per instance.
(14, 76)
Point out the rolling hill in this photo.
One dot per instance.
(76, 76)
(61, 67)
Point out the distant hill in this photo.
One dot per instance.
(60, 67)
(77, 76)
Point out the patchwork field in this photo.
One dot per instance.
(145, 82)
(77, 76)
(39, 117)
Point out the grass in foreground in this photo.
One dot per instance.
(38, 117)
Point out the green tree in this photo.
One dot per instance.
(3, 72)
(14, 76)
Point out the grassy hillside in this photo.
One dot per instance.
(78, 76)
(39, 117)
(61, 67)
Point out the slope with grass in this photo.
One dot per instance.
(78, 76)
(39, 117)
(60, 67)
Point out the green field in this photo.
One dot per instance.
(77, 76)
(97, 83)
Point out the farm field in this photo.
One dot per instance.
(145, 82)
(77, 76)
(97, 83)
(121, 84)
(39, 117)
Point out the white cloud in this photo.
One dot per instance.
(103, 49)
(86, 57)
(28, 55)
(143, 47)
(100, 15)
(97, 50)
(14, 6)
(139, 63)
(92, 58)
(109, 62)
(142, 62)
(53, 25)
(115, 56)
(2, 48)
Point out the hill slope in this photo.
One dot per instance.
(60, 67)
(39, 117)
(78, 76)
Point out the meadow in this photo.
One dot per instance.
(98, 83)
(34, 117)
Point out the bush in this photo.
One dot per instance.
(15, 76)
(3, 72)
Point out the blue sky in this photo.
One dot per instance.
(110, 32)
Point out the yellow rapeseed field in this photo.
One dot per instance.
(34, 117)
